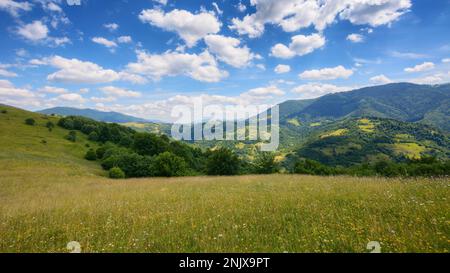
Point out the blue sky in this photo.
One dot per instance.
(143, 57)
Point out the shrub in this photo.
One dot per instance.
(132, 164)
(169, 165)
(4, 112)
(72, 136)
(91, 155)
(265, 164)
(50, 125)
(93, 136)
(30, 121)
(222, 162)
(116, 173)
(312, 167)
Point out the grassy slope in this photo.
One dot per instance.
(49, 196)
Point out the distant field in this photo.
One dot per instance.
(50, 195)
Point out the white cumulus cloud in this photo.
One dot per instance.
(190, 27)
(282, 68)
(315, 90)
(202, 67)
(338, 72)
(300, 45)
(380, 79)
(420, 67)
(293, 15)
(14, 7)
(34, 31)
(355, 38)
(228, 50)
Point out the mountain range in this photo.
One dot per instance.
(93, 114)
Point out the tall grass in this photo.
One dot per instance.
(50, 195)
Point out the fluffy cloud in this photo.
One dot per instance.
(124, 39)
(281, 69)
(76, 71)
(299, 46)
(20, 97)
(420, 67)
(70, 97)
(264, 92)
(375, 12)
(120, 92)
(338, 72)
(202, 67)
(241, 7)
(355, 38)
(111, 26)
(447, 60)
(161, 109)
(380, 79)
(13, 7)
(432, 79)
(5, 73)
(315, 90)
(34, 32)
(190, 27)
(7, 89)
(228, 51)
(293, 15)
(53, 90)
(104, 42)
(162, 2)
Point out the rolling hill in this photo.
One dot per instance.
(363, 140)
(408, 102)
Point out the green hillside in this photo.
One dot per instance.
(428, 104)
(36, 151)
(353, 141)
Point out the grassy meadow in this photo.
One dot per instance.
(50, 195)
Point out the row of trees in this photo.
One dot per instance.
(126, 153)
(427, 166)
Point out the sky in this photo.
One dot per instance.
(144, 57)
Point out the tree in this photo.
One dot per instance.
(93, 136)
(265, 163)
(91, 155)
(149, 144)
(169, 165)
(50, 125)
(222, 162)
(116, 173)
(30, 121)
(72, 136)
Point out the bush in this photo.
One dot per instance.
(72, 136)
(93, 136)
(30, 121)
(169, 165)
(91, 155)
(4, 112)
(149, 144)
(116, 173)
(132, 164)
(222, 162)
(312, 167)
(265, 164)
(50, 125)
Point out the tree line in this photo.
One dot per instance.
(126, 153)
